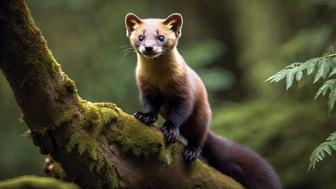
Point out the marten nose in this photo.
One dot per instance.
(149, 49)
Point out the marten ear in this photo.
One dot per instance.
(131, 22)
(175, 22)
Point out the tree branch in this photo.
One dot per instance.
(98, 145)
(34, 182)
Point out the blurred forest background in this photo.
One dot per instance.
(234, 45)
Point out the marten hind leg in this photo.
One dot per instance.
(195, 131)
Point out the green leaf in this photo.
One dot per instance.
(320, 152)
(333, 72)
(332, 99)
(325, 66)
(311, 64)
(278, 76)
(299, 75)
(322, 90)
(332, 137)
(323, 70)
(290, 78)
(330, 84)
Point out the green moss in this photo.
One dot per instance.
(141, 140)
(206, 177)
(112, 177)
(85, 144)
(88, 145)
(105, 119)
(107, 116)
(131, 134)
(55, 67)
(106, 105)
(166, 156)
(34, 182)
(69, 85)
(66, 117)
(91, 114)
(43, 64)
(98, 115)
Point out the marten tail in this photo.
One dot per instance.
(239, 162)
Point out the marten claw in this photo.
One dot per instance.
(170, 132)
(191, 154)
(146, 118)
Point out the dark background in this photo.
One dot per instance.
(234, 45)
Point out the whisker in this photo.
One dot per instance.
(128, 51)
(123, 46)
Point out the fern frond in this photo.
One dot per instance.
(278, 76)
(329, 85)
(322, 150)
(310, 65)
(331, 99)
(325, 66)
(323, 69)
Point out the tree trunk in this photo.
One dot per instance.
(97, 144)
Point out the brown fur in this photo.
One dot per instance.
(169, 76)
(163, 73)
(170, 87)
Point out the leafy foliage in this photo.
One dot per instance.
(322, 150)
(328, 85)
(324, 68)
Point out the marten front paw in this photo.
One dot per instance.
(170, 131)
(191, 153)
(146, 118)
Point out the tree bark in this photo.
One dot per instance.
(97, 144)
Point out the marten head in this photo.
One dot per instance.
(153, 37)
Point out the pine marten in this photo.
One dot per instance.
(170, 87)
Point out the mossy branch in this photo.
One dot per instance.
(97, 144)
(34, 182)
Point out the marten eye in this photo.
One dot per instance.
(141, 37)
(161, 38)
